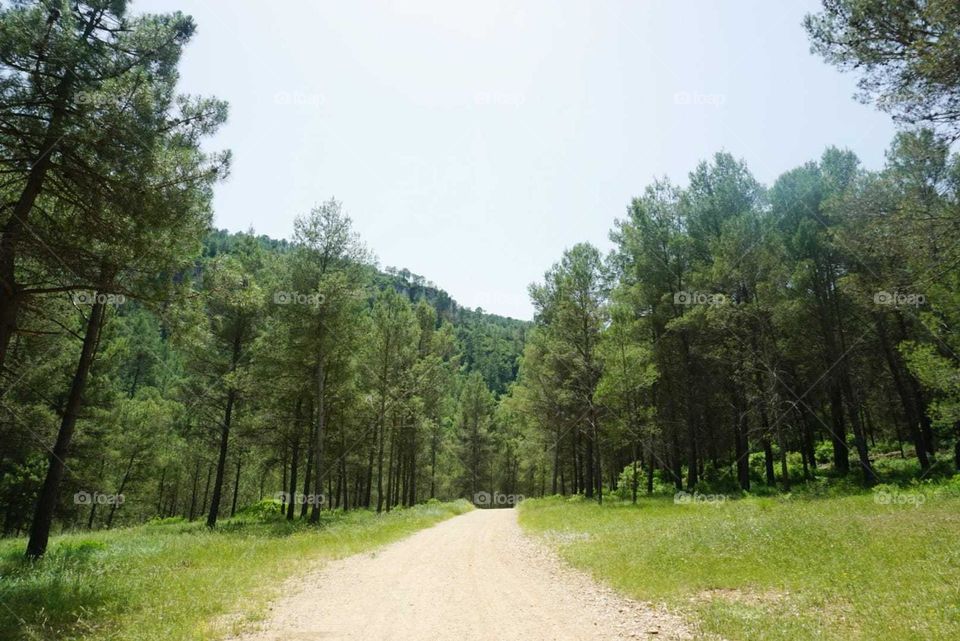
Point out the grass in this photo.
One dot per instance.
(177, 580)
(873, 566)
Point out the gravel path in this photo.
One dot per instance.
(475, 577)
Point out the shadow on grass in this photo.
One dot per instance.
(43, 598)
(87, 579)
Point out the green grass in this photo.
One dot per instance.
(779, 568)
(178, 581)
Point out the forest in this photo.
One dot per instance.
(740, 416)
(743, 333)
(738, 336)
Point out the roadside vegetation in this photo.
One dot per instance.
(829, 562)
(177, 580)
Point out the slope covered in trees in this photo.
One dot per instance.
(282, 367)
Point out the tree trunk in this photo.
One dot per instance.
(741, 444)
(368, 485)
(556, 460)
(221, 463)
(768, 461)
(910, 410)
(318, 447)
(292, 498)
(380, 436)
(236, 484)
(343, 471)
(163, 476)
(677, 461)
(224, 438)
(689, 413)
(956, 447)
(859, 438)
(784, 464)
(206, 491)
(307, 477)
(433, 465)
(123, 484)
(93, 504)
(598, 474)
(47, 501)
(838, 435)
(650, 468)
(413, 469)
(576, 479)
(193, 495)
(588, 467)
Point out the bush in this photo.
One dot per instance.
(757, 467)
(263, 510)
(824, 452)
(624, 489)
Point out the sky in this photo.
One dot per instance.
(472, 142)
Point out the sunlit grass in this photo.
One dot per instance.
(784, 569)
(178, 580)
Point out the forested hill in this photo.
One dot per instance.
(489, 343)
(264, 367)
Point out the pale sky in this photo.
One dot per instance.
(472, 142)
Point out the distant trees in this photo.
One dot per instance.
(474, 425)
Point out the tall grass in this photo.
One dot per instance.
(882, 565)
(177, 580)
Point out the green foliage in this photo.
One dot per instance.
(906, 53)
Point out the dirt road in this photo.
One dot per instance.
(475, 577)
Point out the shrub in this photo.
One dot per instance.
(824, 452)
(263, 510)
